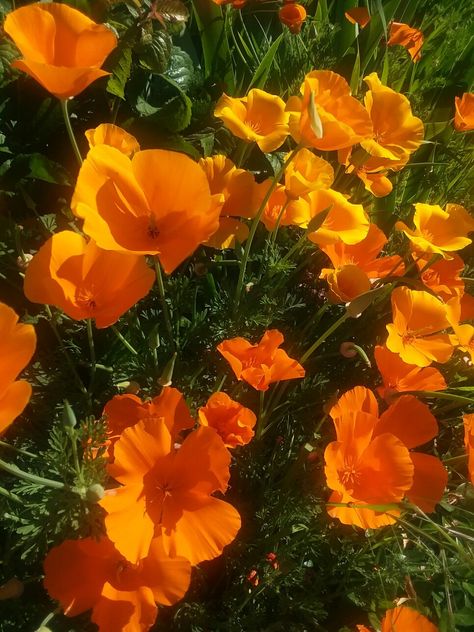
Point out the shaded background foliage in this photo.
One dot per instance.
(164, 84)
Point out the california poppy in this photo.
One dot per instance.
(108, 134)
(86, 281)
(280, 208)
(260, 364)
(437, 231)
(468, 421)
(326, 116)
(408, 37)
(124, 209)
(357, 265)
(123, 411)
(233, 190)
(398, 376)
(307, 172)
(232, 421)
(458, 311)
(419, 319)
(358, 15)
(17, 345)
(443, 276)
(464, 114)
(91, 574)
(405, 619)
(62, 48)
(259, 117)
(166, 491)
(370, 463)
(292, 15)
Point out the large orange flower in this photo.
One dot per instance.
(108, 134)
(326, 99)
(233, 190)
(62, 48)
(404, 619)
(232, 421)
(357, 265)
(468, 421)
(442, 277)
(464, 115)
(91, 574)
(167, 492)
(123, 411)
(437, 231)
(124, 208)
(259, 117)
(17, 345)
(86, 281)
(260, 364)
(398, 376)
(370, 462)
(408, 37)
(415, 334)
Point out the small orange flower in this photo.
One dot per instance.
(307, 172)
(86, 281)
(124, 209)
(260, 364)
(370, 463)
(357, 265)
(91, 574)
(259, 117)
(17, 345)
(280, 208)
(292, 15)
(404, 619)
(469, 443)
(398, 376)
(442, 277)
(408, 37)
(108, 134)
(341, 121)
(464, 115)
(233, 191)
(415, 334)
(458, 310)
(437, 231)
(358, 15)
(232, 421)
(166, 491)
(62, 48)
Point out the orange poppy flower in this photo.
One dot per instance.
(280, 208)
(307, 172)
(357, 265)
(398, 376)
(292, 15)
(233, 191)
(91, 574)
(370, 463)
(404, 619)
(17, 345)
(442, 277)
(358, 15)
(408, 37)
(373, 172)
(124, 209)
(62, 48)
(108, 134)
(232, 421)
(415, 334)
(167, 492)
(86, 281)
(458, 310)
(123, 411)
(437, 231)
(464, 115)
(344, 221)
(259, 117)
(260, 364)
(468, 421)
(341, 121)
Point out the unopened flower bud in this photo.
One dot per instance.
(167, 375)
(348, 350)
(94, 493)
(133, 388)
(69, 418)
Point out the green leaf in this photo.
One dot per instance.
(120, 73)
(42, 168)
(8, 52)
(181, 69)
(155, 51)
(261, 74)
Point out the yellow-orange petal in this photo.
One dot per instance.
(17, 345)
(464, 112)
(113, 135)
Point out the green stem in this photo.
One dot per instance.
(261, 416)
(72, 138)
(438, 395)
(90, 339)
(3, 444)
(77, 467)
(253, 229)
(124, 341)
(164, 304)
(10, 495)
(277, 223)
(323, 337)
(30, 478)
(294, 248)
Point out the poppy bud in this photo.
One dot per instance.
(133, 388)
(95, 493)
(347, 350)
(167, 375)
(292, 15)
(355, 308)
(69, 418)
(22, 262)
(11, 589)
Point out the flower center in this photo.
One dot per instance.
(350, 476)
(152, 230)
(255, 126)
(408, 338)
(85, 299)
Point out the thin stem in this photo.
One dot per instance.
(90, 339)
(164, 304)
(30, 478)
(253, 229)
(72, 138)
(48, 618)
(277, 223)
(124, 341)
(3, 444)
(438, 395)
(261, 416)
(323, 337)
(77, 467)
(10, 495)
(294, 248)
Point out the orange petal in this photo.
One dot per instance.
(124, 610)
(404, 619)
(13, 400)
(17, 345)
(429, 481)
(357, 399)
(421, 428)
(167, 577)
